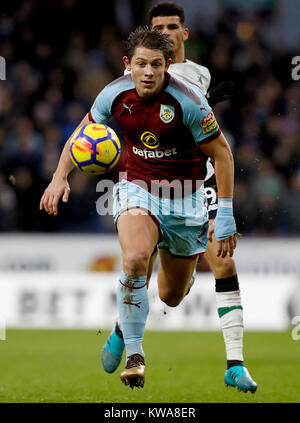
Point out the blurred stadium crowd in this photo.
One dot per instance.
(60, 54)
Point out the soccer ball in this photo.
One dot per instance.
(95, 148)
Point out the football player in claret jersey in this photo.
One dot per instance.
(169, 130)
(169, 19)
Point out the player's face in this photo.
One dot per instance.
(171, 26)
(147, 70)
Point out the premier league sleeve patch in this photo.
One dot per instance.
(167, 113)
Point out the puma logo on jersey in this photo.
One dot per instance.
(127, 108)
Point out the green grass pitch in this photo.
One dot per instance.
(64, 366)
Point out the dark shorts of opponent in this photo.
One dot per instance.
(211, 194)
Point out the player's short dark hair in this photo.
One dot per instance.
(149, 38)
(167, 9)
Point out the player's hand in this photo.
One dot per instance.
(58, 187)
(224, 228)
(225, 246)
(221, 92)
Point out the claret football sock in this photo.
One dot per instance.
(132, 297)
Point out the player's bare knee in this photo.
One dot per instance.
(136, 262)
(171, 299)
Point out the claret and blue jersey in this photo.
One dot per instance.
(162, 133)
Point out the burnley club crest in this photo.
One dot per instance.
(167, 113)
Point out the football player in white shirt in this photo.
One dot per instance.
(169, 18)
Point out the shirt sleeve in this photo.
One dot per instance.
(204, 79)
(202, 122)
(101, 109)
(192, 72)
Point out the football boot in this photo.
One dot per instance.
(134, 373)
(238, 376)
(113, 350)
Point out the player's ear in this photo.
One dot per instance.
(168, 63)
(186, 34)
(126, 62)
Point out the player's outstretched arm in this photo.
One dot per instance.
(59, 186)
(224, 224)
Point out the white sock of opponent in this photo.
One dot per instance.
(230, 311)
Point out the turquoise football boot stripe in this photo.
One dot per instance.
(112, 352)
(238, 376)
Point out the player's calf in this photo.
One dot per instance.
(173, 297)
(230, 311)
(133, 305)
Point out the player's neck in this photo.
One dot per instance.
(179, 55)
